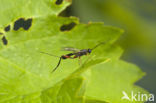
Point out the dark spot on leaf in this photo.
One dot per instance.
(18, 23)
(27, 24)
(4, 40)
(58, 2)
(7, 28)
(67, 27)
(21, 23)
(1, 33)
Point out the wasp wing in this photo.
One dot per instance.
(70, 49)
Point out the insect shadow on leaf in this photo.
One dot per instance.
(75, 54)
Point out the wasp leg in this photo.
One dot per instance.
(57, 65)
(77, 57)
(73, 57)
(80, 60)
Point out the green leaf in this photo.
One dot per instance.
(64, 92)
(108, 81)
(11, 10)
(94, 101)
(26, 74)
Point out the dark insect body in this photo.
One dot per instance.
(76, 54)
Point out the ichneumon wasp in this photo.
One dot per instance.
(76, 54)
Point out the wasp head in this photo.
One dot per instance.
(89, 50)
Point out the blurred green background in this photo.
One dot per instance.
(137, 18)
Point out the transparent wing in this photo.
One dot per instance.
(70, 49)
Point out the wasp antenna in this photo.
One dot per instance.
(98, 45)
(57, 65)
(49, 54)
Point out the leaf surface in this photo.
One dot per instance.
(26, 74)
